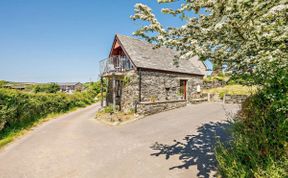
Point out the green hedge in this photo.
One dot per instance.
(18, 109)
(259, 147)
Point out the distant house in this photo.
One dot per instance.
(18, 85)
(146, 80)
(71, 87)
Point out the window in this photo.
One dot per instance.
(167, 92)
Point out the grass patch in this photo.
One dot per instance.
(109, 116)
(219, 78)
(232, 90)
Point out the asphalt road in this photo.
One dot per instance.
(176, 143)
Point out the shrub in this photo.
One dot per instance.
(221, 77)
(127, 79)
(2, 82)
(207, 79)
(108, 109)
(98, 96)
(243, 79)
(260, 134)
(46, 88)
(96, 86)
(18, 108)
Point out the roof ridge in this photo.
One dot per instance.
(143, 55)
(134, 38)
(146, 42)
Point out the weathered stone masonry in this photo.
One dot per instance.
(146, 108)
(163, 86)
(145, 80)
(130, 91)
(159, 90)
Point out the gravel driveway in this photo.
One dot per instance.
(176, 143)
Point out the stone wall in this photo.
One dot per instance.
(147, 108)
(156, 87)
(130, 91)
(214, 98)
(234, 99)
(198, 98)
(163, 86)
(227, 99)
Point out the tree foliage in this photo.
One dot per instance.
(247, 36)
(96, 86)
(260, 134)
(2, 82)
(250, 37)
(46, 88)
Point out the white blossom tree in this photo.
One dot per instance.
(248, 36)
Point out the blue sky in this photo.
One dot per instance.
(62, 40)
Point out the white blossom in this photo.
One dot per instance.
(246, 36)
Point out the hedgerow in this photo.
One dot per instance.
(259, 147)
(18, 109)
(249, 39)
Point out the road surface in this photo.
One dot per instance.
(172, 144)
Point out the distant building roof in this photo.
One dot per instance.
(15, 86)
(143, 55)
(68, 83)
(7, 85)
(19, 87)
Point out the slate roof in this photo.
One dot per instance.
(68, 83)
(143, 55)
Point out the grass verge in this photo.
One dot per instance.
(108, 116)
(232, 90)
(19, 130)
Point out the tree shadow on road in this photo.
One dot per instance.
(198, 149)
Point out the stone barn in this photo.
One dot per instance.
(146, 80)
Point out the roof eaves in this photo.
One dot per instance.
(172, 71)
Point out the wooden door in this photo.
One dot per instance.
(183, 88)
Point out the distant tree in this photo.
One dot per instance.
(247, 36)
(47, 88)
(36, 88)
(53, 88)
(2, 83)
(96, 86)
